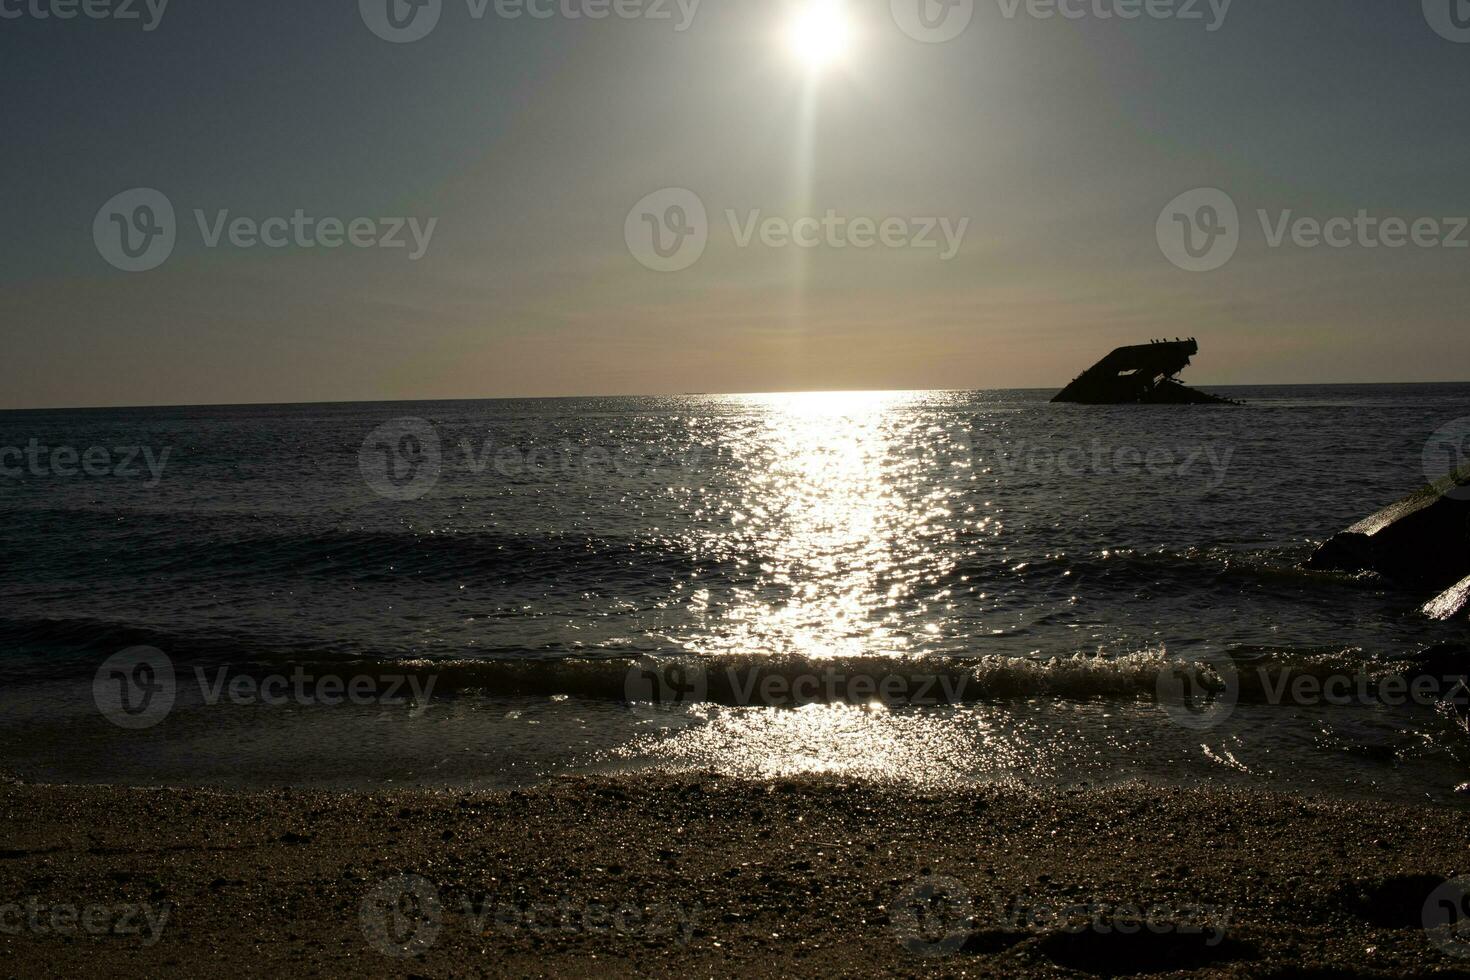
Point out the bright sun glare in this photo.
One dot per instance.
(819, 33)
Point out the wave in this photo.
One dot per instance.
(157, 544)
(1251, 675)
(1162, 572)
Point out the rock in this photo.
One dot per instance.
(1440, 660)
(1392, 902)
(1422, 540)
(1449, 603)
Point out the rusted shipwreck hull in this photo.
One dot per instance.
(1140, 375)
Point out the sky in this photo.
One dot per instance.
(537, 156)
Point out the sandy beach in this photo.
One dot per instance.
(709, 876)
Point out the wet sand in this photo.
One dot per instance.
(714, 876)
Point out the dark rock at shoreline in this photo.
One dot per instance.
(1421, 540)
(1449, 603)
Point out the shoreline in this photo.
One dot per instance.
(655, 875)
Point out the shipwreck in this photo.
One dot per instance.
(1144, 374)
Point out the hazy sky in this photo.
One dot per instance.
(1061, 140)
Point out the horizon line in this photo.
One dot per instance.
(687, 394)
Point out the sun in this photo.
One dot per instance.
(819, 33)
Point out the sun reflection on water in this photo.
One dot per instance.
(831, 499)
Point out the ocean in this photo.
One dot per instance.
(928, 588)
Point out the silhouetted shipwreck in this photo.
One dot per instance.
(1140, 375)
(1421, 541)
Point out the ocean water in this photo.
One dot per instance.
(924, 587)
